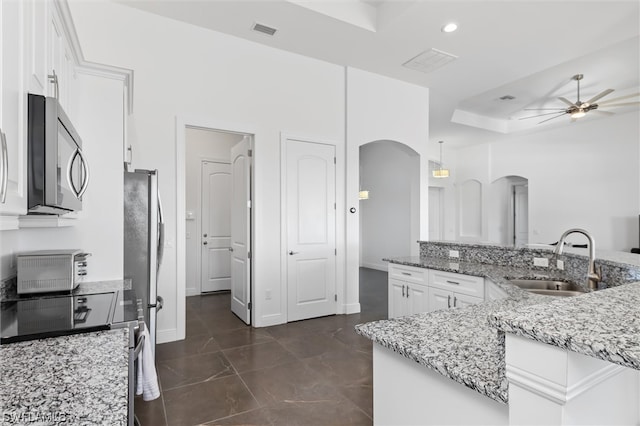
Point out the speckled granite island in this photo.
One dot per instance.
(468, 346)
(80, 379)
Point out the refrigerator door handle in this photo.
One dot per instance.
(160, 231)
(159, 303)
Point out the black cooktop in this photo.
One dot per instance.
(49, 316)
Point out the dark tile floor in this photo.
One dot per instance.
(312, 372)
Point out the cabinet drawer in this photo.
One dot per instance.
(458, 283)
(408, 273)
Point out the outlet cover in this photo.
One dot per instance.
(560, 264)
(541, 261)
(454, 253)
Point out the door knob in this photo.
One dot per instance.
(205, 243)
(205, 235)
(231, 249)
(291, 252)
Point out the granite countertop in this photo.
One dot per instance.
(79, 379)
(466, 344)
(603, 324)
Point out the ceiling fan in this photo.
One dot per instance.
(580, 108)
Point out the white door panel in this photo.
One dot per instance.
(216, 227)
(240, 230)
(311, 227)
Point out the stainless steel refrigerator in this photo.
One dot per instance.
(143, 241)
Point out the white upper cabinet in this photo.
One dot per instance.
(34, 48)
(13, 109)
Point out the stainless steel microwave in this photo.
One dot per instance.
(58, 173)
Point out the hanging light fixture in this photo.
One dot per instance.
(440, 172)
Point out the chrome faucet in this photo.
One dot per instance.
(593, 277)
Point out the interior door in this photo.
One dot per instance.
(310, 184)
(241, 230)
(216, 227)
(521, 214)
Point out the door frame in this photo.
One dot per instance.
(284, 286)
(179, 333)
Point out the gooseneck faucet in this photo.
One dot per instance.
(593, 277)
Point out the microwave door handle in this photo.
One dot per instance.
(5, 169)
(85, 173)
(70, 181)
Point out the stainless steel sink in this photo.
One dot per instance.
(549, 287)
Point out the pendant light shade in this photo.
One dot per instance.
(441, 172)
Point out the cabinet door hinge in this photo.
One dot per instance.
(334, 160)
(248, 255)
(335, 252)
(249, 305)
(335, 297)
(250, 153)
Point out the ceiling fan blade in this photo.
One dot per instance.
(540, 115)
(599, 111)
(622, 104)
(566, 101)
(544, 109)
(599, 95)
(619, 98)
(548, 119)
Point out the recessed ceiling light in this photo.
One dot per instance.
(450, 27)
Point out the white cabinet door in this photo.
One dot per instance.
(417, 299)
(35, 39)
(439, 299)
(397, 299)
(60, 62)
(463, 300)
(12, 113)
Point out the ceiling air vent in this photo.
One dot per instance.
(263, 29)
(507, 98)
(430, 60)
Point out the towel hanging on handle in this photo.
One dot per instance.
(147, 380)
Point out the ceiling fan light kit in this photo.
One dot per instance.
(579, 109)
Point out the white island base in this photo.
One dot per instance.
(547, 386)
(407, 393)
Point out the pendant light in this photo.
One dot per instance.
(440, 172)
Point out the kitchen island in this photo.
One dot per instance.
(467, 346)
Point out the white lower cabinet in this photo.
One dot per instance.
(408, 292)
(452, 290)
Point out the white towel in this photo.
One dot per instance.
(147, 380)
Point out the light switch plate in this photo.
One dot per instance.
(541, 261)
(560, 264)
(454, 253)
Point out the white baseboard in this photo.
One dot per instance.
(352, 308)
(166, 336)
(191, 292)
(378, 266)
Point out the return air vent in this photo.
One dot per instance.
(263, 29)
(507, 98)
(430, 60)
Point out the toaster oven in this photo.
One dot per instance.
(51, 270)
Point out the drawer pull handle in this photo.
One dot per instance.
(407, 292)
(402, 291)
(406, 273)
(455, 301)
(453, 282)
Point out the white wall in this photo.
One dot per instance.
(379, 108)
(390, 172)
(201, 144)
(189, 73)
(583, 175)
(98, 228)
